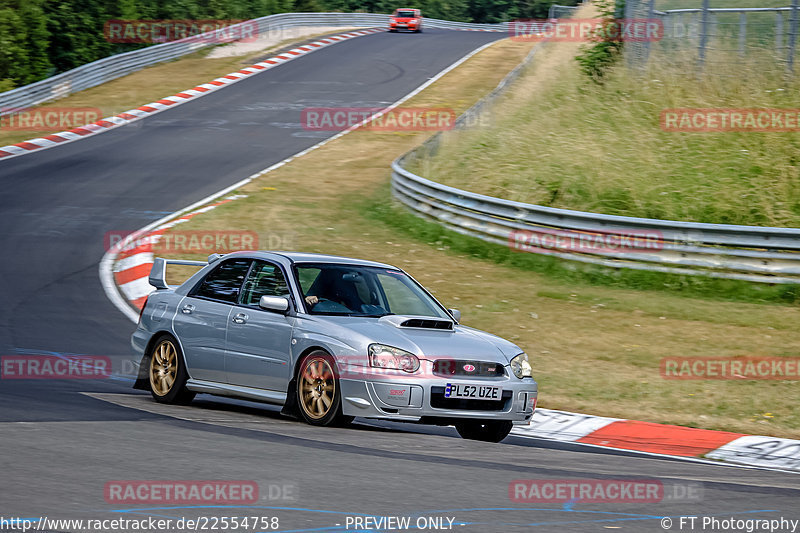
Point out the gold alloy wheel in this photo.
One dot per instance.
(163, 367)
(317, 388)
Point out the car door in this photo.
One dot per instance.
(259, 341)
(203, 316)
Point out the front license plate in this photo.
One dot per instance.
(401, 25)
(473, 392)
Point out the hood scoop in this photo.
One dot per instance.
(418, 322)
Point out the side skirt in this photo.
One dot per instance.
(235, 391)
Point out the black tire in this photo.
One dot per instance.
(419, 30)
(484, 430)
(167, 372)
(317, 379)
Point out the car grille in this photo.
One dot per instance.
(448, 368)
(438, 401)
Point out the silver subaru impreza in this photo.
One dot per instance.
(328, 338)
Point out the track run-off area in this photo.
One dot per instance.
(66, 441)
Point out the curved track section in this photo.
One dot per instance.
(65, 440)
(58, 204)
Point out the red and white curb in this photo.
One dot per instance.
(134, 256)
(152, 108)
(663, 439)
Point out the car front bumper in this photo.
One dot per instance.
(414, 400)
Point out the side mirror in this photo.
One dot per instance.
(456, 314)
(274, 303)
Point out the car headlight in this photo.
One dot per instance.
(382, 356)
(412, 21)
(521, 367)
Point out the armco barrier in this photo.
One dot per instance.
(751, 253)
(115, 66)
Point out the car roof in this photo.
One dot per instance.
(305, 257)
(406, 9)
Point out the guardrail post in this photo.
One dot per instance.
(704, 23)
(651, 8)
(792, 38)
(742, 32)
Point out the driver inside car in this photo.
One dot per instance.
(338, 287)
(343, 290)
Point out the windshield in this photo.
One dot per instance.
(404, 14)
(348, 290)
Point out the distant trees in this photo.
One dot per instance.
(40, 38)
(24, 39)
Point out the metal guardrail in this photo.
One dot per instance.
(112, 67)
(751, 253)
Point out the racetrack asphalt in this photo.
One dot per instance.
(63, 440)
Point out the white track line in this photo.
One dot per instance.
(109, 258)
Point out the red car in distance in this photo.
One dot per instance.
(406, 18)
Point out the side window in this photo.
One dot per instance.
(265, 279)
(307, 276)
(224, 282)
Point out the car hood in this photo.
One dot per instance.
(459, 343)
(404, 19)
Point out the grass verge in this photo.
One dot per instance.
(600, 148)
(594, 349)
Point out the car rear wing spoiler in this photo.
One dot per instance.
(158, 273)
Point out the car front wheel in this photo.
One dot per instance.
(484, 430)
(318, 394)
(168, 373)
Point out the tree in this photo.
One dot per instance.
(23, 42)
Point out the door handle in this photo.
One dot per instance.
(240, 318)
(187, 309)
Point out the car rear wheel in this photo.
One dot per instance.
(484, 430)
(318, 394)
(168, 373)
